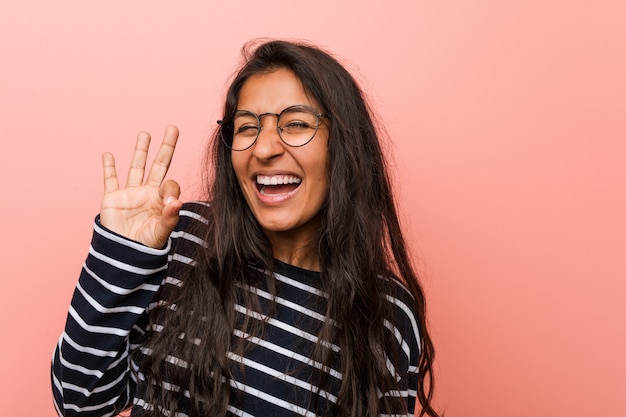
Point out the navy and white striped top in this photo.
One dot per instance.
(91, 368)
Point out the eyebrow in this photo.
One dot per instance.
(308, 106)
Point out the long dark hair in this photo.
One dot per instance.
(359, 241)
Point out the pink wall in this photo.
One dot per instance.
(509, 135)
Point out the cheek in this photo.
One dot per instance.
(321, 179)
(238, 166)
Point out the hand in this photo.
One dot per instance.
(144, 212)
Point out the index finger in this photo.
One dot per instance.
(110, 175)
(164, 157)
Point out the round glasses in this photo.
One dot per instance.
(296, 125)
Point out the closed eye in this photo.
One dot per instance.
(247, 130)
(292, 126)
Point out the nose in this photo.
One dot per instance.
(268, 144)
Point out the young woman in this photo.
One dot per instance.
(290, 292)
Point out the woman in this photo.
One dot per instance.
(291, 293)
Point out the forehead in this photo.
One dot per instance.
(272, 92)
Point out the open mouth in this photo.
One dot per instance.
(277, 184)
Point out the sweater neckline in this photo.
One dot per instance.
(291, 270)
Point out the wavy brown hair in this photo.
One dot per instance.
(359, 240)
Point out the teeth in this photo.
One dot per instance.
(277, 179)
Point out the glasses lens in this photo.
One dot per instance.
(297, 125)
(244, 131)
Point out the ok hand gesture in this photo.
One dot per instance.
(145, 212)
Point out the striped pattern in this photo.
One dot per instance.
(117, 286)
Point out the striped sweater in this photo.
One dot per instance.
(118, 285)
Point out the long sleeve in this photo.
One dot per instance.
(407, 336)
(90, 367)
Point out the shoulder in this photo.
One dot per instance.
(395, 289)
(405, 317)
(193, 214)
(190, 231)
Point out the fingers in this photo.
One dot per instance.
(138, 163)
(110, 176)
(170, 191)
(168, 222)
(169, 217)
(164, 157)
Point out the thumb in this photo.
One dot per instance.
(172, 205)
(170, 190)
(169, 216)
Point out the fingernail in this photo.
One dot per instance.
(169, 200)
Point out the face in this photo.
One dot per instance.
(285, 186)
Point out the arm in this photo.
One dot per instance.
(91, 366)
(126, 263)
(407, 335)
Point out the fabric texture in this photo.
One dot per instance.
(121, 281)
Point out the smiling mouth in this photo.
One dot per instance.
(277, 184)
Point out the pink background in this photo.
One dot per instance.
(509, 143)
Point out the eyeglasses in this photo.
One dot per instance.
(297, 125)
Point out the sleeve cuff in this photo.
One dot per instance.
(110, 235)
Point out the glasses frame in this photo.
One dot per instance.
(258, 117)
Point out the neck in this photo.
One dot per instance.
(301, 253)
